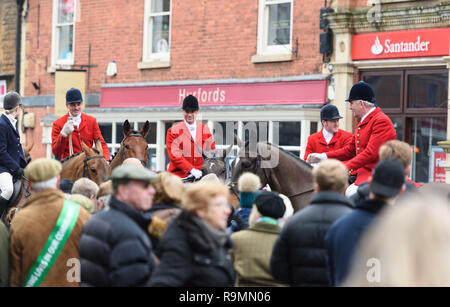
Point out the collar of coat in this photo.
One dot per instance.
(373, 206)
(265, 227)
(8, 122)
(182, 126)
(333, 139)
(331, 197)
(139, 217)
(43, 197)
(370, 116)
(197, 235)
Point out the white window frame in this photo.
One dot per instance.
(263, 20)
(147, 55)
(55, 36)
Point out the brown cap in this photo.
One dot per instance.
(42, 169)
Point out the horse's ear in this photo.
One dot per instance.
(29, 147)
(145, 129)
(126, 128)
(84, 147)
(238, 141)
(209, 154)
(98, 146)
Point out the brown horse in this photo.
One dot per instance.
(283, 171)
(133, 145)
(88, 163)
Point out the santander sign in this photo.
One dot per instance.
(401, 44)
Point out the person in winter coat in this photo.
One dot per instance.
(187, 140)
(115, 249)
(4, 255)
(249, 185)
(76, 125)
(195, 247)
(169, 190)
(330, 137)
(299, 255)
(342, 239)
(373, 130)
(252, 247)
(395, 150)
(37, 230)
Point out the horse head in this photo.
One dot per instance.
(135, 142)
(95, 166)
(214, 162)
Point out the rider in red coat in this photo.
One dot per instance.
(183, 149)
(330, 137)
(373, 130)
(82, 126)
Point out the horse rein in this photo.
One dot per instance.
(124, 155)
(85, 168)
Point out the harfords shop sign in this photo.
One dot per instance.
(401, 44)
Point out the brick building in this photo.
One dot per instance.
(8, 18)
(245, 60)
(402, 49)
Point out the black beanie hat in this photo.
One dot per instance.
(270, 204)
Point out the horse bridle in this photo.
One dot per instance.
(255, 171)
(124, 155)
(85, 168)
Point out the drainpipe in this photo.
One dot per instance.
(18, 42)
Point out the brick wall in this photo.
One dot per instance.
(8, 13)
(210, 40)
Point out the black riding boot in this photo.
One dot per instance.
(3, 206)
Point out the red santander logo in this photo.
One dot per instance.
(401, 44)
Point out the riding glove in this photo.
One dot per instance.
(17, 174)
(68, 128)
(317, 157)
(196, 173)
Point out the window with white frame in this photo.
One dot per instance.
(275, 26)
(63, 31)
(156, 30)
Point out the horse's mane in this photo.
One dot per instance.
(290, 154)
(72, 156)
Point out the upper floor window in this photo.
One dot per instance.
(275, 26)
(63, 31)
(156, 30)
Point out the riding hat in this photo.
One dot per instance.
(42, 170)
(11, 100)
(361, 91)
(73, 95)
(190, 104)
(329, 112)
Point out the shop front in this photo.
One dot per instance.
(282, 111)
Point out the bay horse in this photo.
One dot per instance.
(88, 163)
(133, 145)
(283, 171)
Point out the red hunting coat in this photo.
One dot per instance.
(183, 154)
(361, 154)
(88, 131)
(317, 143)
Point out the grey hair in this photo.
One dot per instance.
(45, 185)
(368, 104)
(85, 187)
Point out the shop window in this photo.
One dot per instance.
(223, 132)
(259, 129)
(106, 130)
(275, 26)
(63, 31)
(427, 90)
(288, 133)
(119, 132)
(387, 89)
(313, 127)
(157, 30)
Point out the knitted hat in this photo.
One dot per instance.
(42, 170)
(66, 185)
(248, 185)
(270, 204)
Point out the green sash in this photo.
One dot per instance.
(56, 241)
